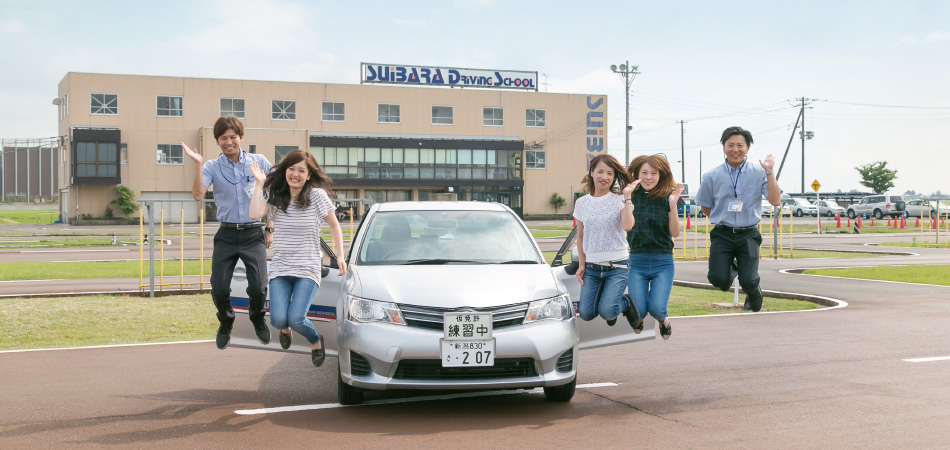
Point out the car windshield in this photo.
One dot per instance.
(831, 204)
(447, 237)
(802, 202)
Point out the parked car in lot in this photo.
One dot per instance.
(447, 295)
(829, 208)
(801, 207)
(921, 208)
(878, 206)
(767, 207)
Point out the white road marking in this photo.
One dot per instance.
(101, 346)
(29, 281)
(279, 409)
(788, 272)
(935, 358)
(76, 251)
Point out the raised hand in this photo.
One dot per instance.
(628, 189)
(259, 174)
(768, 164)
(675, 196)
(192, 154)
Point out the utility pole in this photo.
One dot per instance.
(805, 135)
(627, 74)
(682, 154)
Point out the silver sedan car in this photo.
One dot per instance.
(447, 295)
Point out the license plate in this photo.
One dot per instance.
(470, 353)
(467, 326)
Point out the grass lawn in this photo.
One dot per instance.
(938, 275)
(942, 244)
(95, 269)
(28, 216)
(702, 252)
(104, 320)
(685, 301)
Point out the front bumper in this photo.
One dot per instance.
(385, 346)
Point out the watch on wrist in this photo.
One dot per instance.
(269, 229)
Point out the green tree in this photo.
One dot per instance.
(877, 177)
(557, 202)
(126, 201)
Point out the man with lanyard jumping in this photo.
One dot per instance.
(238, 237)
(731, 195)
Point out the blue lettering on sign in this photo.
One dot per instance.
(454, 76)
(437, 78)
(595, 128)
(426, 75)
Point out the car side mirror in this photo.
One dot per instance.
(324, 271)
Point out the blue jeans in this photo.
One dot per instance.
(649, 283)
(290, 299)
(602, 292)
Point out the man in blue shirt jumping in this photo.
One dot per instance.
(731, 195)
(238, 237)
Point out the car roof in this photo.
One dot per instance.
(441, 206)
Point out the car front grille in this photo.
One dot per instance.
(431, 369)
(566, 361)
(359, 365)
(429, 317)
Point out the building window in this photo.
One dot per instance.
(387, 195)
(388, 113)
(442, 115)
(232, 106)
(169, 106)
(124, 153)
(334, 112)
(280, 151)
(283, 110)
(252, 148)
(95, 162)
(534, 118)
(104, 104)
(535, 159)
(170, 154)
(493, 117)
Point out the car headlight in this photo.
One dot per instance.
(363, 310)
(554, 308)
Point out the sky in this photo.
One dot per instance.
(875, 72)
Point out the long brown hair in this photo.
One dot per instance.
(666, 185)
(621, 177)
(277, 189)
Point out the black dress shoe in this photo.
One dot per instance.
(285, 340)
(755, 299)
(262, 332)
(632, 315)
(317, 356)
(746, 306)
(611, 322)
(224, 337)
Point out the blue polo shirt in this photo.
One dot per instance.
(233, 183)
(725, 184)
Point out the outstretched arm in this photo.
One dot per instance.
(258, 206)
(198, 189)
(673, 216)
(626, 214)
(775, 194)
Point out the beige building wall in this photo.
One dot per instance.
(564, 138)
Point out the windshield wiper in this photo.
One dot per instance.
(520, 261)
(436, 261)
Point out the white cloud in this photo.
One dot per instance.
(470, 4)
(417, 23)
(937, 36)
(11, 26)
(906, 40)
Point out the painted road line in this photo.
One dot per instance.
(279, 409)
(76, 251)
(792, 272)
(30, 281)
(103, 346)
(935, 358)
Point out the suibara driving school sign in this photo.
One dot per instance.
(448, 76)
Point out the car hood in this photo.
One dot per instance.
(455, 285)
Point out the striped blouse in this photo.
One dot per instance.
(296, 247)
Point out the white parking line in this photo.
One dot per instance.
(101, 346)
(76, 251)
(279, 409)
(935, 358)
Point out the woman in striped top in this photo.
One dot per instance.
(296, 201)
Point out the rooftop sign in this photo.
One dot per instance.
(448, 76)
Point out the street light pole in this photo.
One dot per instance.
(627, 74)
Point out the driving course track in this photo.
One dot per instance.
(836, 377)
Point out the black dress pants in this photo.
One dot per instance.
(734, 253)
(247, 245)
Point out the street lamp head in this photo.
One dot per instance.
(623, 67)
(613, 67)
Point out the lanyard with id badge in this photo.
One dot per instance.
(736, 205)
(251, 182)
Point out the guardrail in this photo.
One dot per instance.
(149, 210)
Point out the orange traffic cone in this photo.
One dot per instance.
(917, 224)
(872, 221)
(849, 222)
(688, 226)
(903, 222)
(933, 223)
(858, 223)
(888, 221)
(838, 220)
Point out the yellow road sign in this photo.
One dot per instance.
(815, 185)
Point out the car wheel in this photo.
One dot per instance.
(851, 214)
(799, 213)
(933, 214)
(346, 394)
(878, 214)
(561, 393)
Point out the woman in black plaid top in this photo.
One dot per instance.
(650, 276)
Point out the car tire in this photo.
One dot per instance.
(933, 214)
(346, 394)
(851, 214)
(799, 213)
(561, 393)
(878, 214)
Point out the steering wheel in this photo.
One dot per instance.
(399, 253)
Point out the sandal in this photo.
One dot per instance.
(666, 331)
